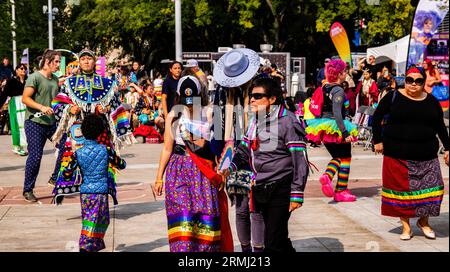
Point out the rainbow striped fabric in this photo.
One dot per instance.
(195, 229)
(95, 221)
(245, 142)
(297, 146)
(297, 197)
(60, 100)
(119, 117)
(411, 188)
(413, 199)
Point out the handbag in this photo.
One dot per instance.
(440, 92)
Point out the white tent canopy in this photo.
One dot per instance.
(396, 51)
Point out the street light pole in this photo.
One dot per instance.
(13, 27)
(178, 34)
(50, 25)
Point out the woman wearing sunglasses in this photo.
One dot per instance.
(412, 179)
(14, 89)
(275, 147)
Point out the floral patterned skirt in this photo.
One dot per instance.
(192, 208)
(95, 216)
(411, 188)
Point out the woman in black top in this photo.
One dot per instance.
(412, 179)
(14, 89)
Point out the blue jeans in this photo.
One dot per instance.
(37, 136)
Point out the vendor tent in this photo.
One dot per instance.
(396, 51)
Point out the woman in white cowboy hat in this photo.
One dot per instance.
(233, 73)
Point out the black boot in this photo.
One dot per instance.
(247, 248)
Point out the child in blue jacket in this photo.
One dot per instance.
(93, 159)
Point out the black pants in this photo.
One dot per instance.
(339, 150)
(276, 217)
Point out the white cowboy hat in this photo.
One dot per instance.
(236, 67)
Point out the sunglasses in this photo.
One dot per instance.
(257, 96)
(419, 81)
(22, 68)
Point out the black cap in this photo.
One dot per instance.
(86, 51)
(188, 88)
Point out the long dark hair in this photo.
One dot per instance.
(49, 55)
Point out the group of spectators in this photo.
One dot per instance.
(369, 83)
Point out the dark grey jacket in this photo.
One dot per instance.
(275, 147)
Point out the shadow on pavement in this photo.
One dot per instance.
(127, 211)
(439, 224)
(146, 247)
(366, 191)
(318, 244)
(12, 168)
(128, 183)
(127, 156)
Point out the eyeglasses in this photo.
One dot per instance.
(23, 68)
(419, 81)
(257, 96)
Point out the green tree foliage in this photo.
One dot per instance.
(390, 20)
(32, 27)
(145, 29)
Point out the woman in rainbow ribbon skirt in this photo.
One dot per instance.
(335, 133)
(80, 95)
(196, 204)
(412, 178)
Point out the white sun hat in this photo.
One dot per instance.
(236, 67)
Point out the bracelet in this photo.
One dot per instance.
(160, 181)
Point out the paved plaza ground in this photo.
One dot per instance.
(139, 223)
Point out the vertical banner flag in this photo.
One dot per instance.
(429, 15)
(340, 41)
(100, 66)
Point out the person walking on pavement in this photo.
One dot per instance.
(93, 160)
(412, 178)
(278, 157)
(335, 132)
(14, 89)
(40, 88)
(234, 73)
(196, 205)
(81, 95)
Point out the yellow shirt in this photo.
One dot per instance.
(307, 113)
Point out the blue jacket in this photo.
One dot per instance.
(93, 159)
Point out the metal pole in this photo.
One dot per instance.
(13, 27)
(50, 25)
(178, 34)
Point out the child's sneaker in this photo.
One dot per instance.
(344, 196)
(327, 186)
